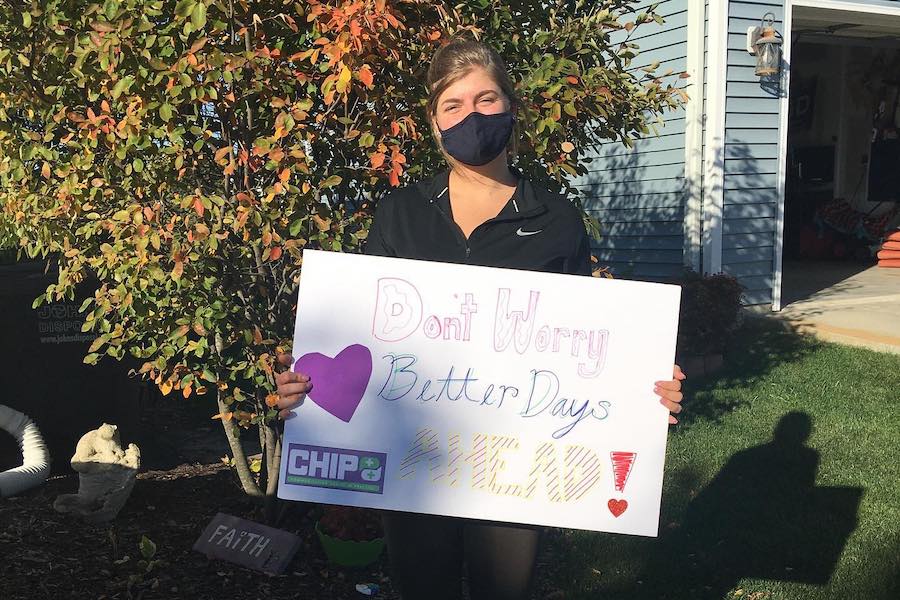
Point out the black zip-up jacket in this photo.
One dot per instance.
(536, 230)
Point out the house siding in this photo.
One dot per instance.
(751, 157)
(638, 194)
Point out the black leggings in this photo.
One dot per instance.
(427, 554)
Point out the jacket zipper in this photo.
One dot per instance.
(462, 238)
(456, 229)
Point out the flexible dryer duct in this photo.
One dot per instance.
(35, 457)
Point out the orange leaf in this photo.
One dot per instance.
(178, 270)
(395, 128)
(272, 400)
(275, 254)
(365, 75)
(394, 179)
(572, 80)
(284, 175)
(377, 160)
(165, 387)
(567, 147)
(186, 392)
(45, 170)
(198, 206)
(197, 45)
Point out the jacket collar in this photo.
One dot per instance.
(523, 203)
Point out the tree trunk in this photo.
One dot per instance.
(240, 457)
(272, 464)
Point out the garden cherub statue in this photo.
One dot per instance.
(106, 475)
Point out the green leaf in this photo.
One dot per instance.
(184, 8)
(165, 112)
(26, 19)
(138, 165)
(366, 140)
(198, 16)
(147, 547)
(122, 85)
(331, 182)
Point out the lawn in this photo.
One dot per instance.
(782, 481)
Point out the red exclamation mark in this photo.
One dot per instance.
(622, 462)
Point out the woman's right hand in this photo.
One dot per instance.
(292, 387)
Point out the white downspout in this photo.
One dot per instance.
(714, 137)
(35, 457)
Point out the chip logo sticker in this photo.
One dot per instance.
(336, 468)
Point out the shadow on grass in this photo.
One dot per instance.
(759, 346)
(761, 517)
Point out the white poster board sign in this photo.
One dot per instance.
(480, 392)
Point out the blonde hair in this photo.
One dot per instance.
(454, 61)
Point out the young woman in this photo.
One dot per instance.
(479, 212)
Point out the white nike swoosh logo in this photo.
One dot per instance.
(522, 232)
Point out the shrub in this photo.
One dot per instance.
(184, 153)
(710, 308)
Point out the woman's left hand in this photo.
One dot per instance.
(670, 395)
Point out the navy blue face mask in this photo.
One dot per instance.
(478, 139)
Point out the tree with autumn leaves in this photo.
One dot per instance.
(182, 154)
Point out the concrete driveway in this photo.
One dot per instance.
(861, 307)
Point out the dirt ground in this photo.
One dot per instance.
(52, 556)
(47, 555)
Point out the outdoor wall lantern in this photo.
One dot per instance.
(764, 42)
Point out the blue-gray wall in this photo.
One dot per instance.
(751, 157)
(638, 194)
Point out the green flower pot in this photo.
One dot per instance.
(350, 553)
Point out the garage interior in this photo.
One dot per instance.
(842, 186)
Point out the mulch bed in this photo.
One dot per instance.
(54, 556)
(47, 555)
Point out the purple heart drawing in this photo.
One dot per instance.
(340, 382)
